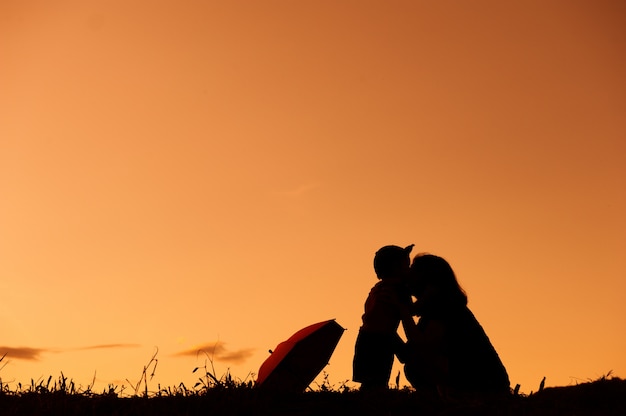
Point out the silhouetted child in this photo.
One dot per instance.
(378, 340)
(449, 350)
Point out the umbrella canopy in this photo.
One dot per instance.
(295, 363)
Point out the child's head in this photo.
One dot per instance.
(392, 262)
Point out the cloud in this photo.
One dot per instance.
(300, 190)
(34, 354)
(22, 353)
(218, 352)
(107, 346)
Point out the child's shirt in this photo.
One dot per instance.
(382, 307)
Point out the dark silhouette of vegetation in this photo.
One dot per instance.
(228, 396)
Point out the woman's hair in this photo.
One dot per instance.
(433, 271)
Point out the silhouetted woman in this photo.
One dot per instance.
(448, 349)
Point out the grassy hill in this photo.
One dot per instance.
(606, 396)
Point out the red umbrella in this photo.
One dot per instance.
(295, 363)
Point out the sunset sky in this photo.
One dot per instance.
(179, 173)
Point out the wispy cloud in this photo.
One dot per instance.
(300, 190)
(34, 354)
(108, 346)
(218, 352)
(22, 353)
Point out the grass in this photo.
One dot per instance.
(600, 397)
(227, 395)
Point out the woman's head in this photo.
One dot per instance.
(433, 275)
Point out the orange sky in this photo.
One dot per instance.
(177, 173)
